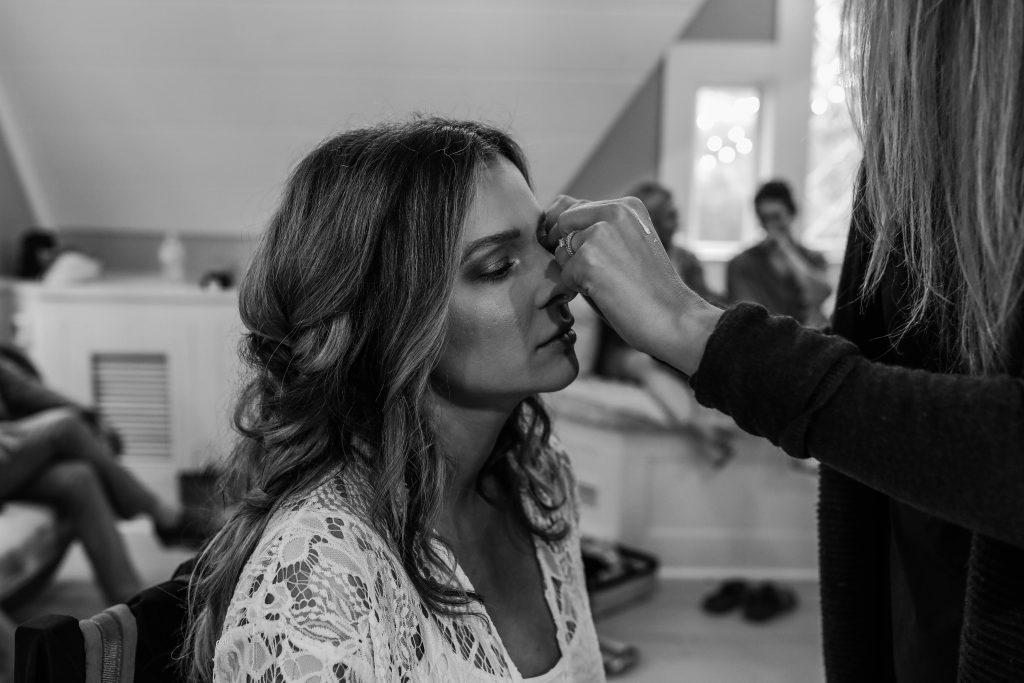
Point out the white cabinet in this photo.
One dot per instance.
(159, 358)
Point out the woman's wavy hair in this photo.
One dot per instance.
(345, 303)
(939, 104)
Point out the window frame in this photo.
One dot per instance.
(782, 70)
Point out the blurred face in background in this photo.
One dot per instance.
(664, 215)
(775, 217)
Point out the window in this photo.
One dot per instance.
(763, 88)
(725, 166)
(833, 150)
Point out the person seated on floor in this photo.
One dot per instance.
(778, 272)
(405, 512)
(617, 360)
(664, 214)
(56, 452)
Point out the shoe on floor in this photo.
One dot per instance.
(767, 601)
(727, 597)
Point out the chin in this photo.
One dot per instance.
(568, 370)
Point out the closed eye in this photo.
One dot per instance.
(498, 271)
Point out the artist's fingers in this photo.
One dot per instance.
(630, 281)
(557, 207)
(627, 213)
(570, 246)
(591, 248)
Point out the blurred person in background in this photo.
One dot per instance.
(664, 215)
(61, 454)
(618, 360)
(779, 273)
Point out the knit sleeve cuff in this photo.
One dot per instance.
(770, 374)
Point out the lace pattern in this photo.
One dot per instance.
(323, 598)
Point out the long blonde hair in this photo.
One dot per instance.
(938, 104)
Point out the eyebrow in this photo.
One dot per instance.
(496, 239)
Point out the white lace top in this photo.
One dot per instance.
(323, 598)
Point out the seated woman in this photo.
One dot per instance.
(56, 452)
(778, 272)
(406, 514)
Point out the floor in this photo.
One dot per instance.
(677, 641)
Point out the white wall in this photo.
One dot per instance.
(730, 20)
(175, 114)
(764, 42)
(15, 211)
(629, 152)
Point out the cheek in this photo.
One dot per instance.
(483, 327)
(487, 341)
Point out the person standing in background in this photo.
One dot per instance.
(779, 273)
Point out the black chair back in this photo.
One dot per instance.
(136, 641)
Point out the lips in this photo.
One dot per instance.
(565, 334)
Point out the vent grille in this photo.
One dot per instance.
(132, 393)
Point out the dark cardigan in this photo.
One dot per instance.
(948, 445)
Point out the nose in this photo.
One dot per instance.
(554, 292)
(561, 296)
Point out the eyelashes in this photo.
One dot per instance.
(499, 271)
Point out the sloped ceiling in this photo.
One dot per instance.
(188, 114)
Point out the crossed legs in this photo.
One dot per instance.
(75, 489)
(61, 461)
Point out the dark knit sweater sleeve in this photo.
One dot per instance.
(951, 445)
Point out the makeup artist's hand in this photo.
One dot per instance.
(618, 262)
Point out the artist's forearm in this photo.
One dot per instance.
(694, 328)
(948, 444)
